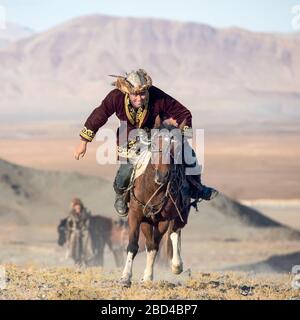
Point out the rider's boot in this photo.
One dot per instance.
(120, 185)
(200, 191)
(196, 189)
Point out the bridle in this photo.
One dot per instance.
(150, 210)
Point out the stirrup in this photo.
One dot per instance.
(124, 215)
(195, 204)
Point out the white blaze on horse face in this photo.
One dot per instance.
(176, 244)
(148, 273)
(127, 272)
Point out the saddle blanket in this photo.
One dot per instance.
(140, 163)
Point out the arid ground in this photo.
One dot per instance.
(31, 282)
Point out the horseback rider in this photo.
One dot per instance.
(136, 101)
(79, 216)
(78, 226)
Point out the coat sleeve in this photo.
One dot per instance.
(99, 116)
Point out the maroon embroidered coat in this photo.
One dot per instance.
(117, 102)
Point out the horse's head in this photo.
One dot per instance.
(62, 232)
(166, 148)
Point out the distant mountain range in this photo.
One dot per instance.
(225, 76)
(13, 32)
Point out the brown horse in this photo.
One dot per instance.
(158, 203)
(102, 231)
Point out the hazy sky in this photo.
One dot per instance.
(257, 15)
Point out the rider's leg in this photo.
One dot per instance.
(120, 185)
(193, 173)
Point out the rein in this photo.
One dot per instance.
(167, 195)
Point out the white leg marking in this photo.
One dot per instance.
(68, 255)
(127, 272)
(176, 259)
(148, 273)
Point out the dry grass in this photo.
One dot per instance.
(32, 282)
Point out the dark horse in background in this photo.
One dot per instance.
(103, 231)
(158, 205)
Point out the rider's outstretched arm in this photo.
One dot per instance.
(99, 116)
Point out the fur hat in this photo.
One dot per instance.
(134, 82)
(76, 201)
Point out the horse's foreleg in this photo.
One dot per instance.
(132, 249)
(148, 273)
(127, 271)
(153, 238)
(176, 263)
(151, 251)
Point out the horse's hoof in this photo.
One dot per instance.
(125, 283)
(146, 280)
(177, 269)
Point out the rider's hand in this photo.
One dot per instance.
(80, 150)
(171, 121)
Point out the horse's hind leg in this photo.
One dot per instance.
(176, 262)
(118, 253)
(119, 256)
(165, 252)
(132, 248)
(99, 255)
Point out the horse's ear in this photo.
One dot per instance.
(157, 123)
(182, 124)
